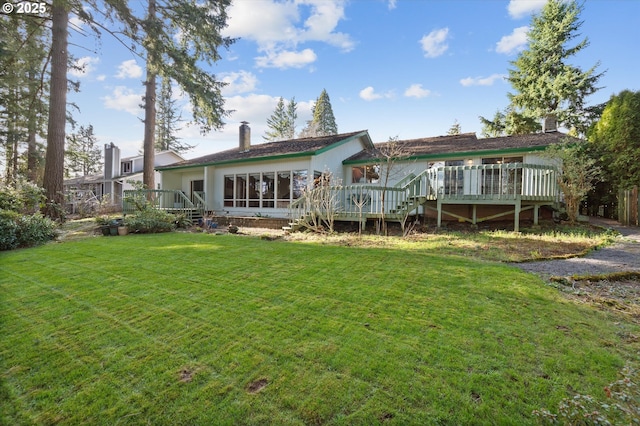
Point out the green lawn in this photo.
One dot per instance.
(208, 329)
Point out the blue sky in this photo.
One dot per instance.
(405, 68)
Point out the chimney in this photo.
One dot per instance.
(111, 161)
(245, 136)
(550, 123)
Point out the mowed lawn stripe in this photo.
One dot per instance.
(236, 330)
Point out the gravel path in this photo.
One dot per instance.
(622, 256)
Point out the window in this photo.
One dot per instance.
(254, 190)
(265, 190)
(299, 183)
(241, 191)
(126, 167)
(500, 180)
(268, 189)
(228, 190)
(454, 177)
(283, 188)
(365, 174)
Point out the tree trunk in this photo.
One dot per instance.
(54, 166)
(32, 148)
(148, 173)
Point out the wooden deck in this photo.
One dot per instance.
(520, 186)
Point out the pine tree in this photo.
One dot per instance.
(455, 129)
(545, 83)
(323, 122)
(23, 92)
(167, 121)
(282, 123)
(83, 155)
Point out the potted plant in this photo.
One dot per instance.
(103, 223)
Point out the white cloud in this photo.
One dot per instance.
(482, 81)
(83, 66)
(238, 82)
(124, 99)
(522, 8)
(101, 77)
(392, 4)
(286, 59)
(129, 69)
(514, 42)
(417, 91)
(369, 94)
(434, 44)
(278, 29)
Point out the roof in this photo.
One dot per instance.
(464, 144)
(272, 150)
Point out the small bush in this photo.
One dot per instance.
(151, 221)
(26, 198)
(18, 230)
(8, 229)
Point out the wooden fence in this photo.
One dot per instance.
(628, 206)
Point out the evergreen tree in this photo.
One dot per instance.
(54, 160)
(508, 122)
(83, 155)
(323, 122)
(615, 139)
(23, 92)
(282, 123)
(455, 128)
(167, 121)
(544, 83)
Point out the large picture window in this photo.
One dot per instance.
(365, 174)
(266, 189)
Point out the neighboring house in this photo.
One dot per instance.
(116, 177)
(457, 177)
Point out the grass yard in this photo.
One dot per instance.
(209, 329)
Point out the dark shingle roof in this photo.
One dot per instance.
(286, 148)
(455, 145)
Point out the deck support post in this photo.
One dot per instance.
(536, 210)
(475, 214)
(439, 204)
(516, 216)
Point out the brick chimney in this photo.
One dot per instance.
(245, 136)
(550, 123)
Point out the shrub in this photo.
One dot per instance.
(8, 229)
(150, 221)
(25, 198)
(18, 230)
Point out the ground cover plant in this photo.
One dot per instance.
(198, 328)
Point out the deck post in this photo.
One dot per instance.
(439, 204)
(516, 215)
(475, 214)
(536, 209)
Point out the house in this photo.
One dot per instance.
(457, 177)
(116, 177)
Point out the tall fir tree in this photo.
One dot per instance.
(282, 123)
(83, 155)
(455, 128)
(544, 82)
(323, 122)
(23, 93)
(167, 121)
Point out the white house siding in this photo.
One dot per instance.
(331, 160)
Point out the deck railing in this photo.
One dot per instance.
(495, 182)
(482, 183)
(162, 199)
